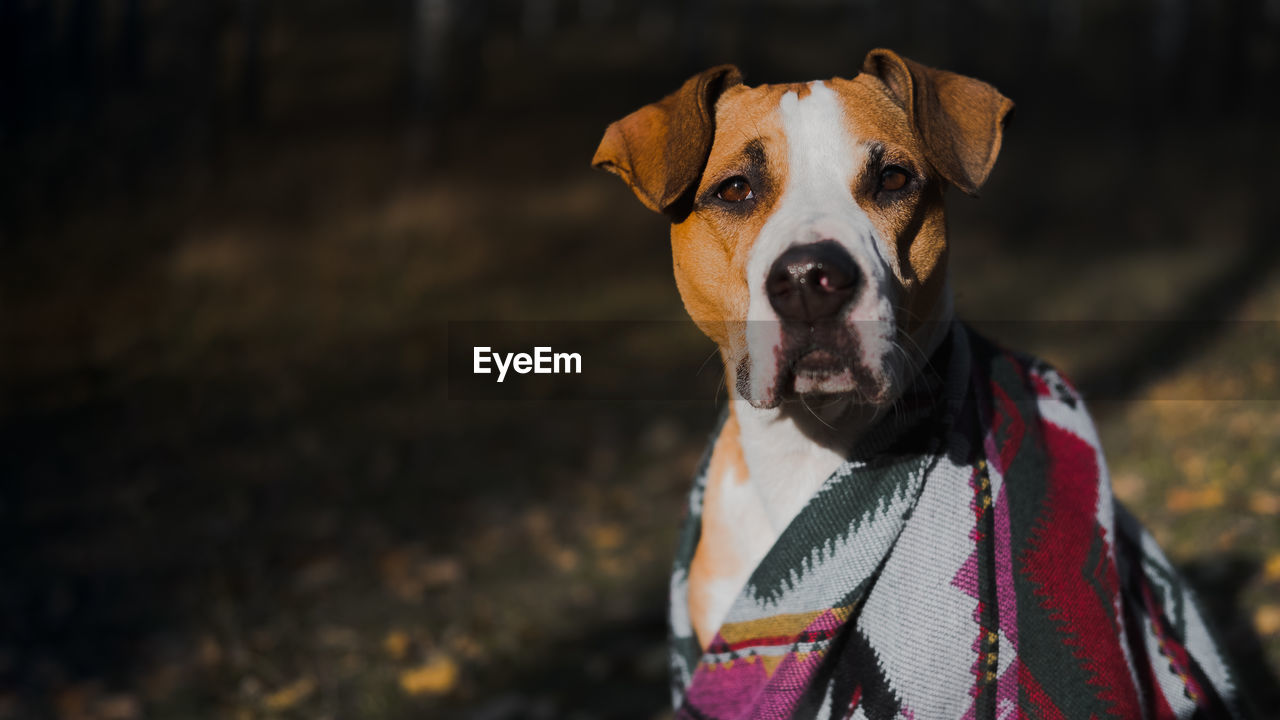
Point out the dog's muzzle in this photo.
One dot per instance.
(810, 288)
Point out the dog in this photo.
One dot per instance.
(896, 517)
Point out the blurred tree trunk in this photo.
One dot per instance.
(251, 64)
(693, 31)
(84, 27)
(1170, 47)
(595, 12)
(446, 63)
(132, 46)
(1065, 20)
(1244, 18)
(537, 19)
(429, 24)
(25, 45)
(198, 24)
(751, 57)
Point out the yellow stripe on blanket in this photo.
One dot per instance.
(784, 625)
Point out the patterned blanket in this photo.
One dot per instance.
(968, 561)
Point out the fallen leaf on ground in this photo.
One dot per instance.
(436, 677)
(1128, 486)
(607, 536)
(440, 571)
(538, 523)
(209, 651)
(565, 560)
(119, 707)
(1272, 571)
(396, 643)
(291, 694)
(73, 701)
(1264, 503)
(611, 565)
(319, 573)
(467, 647)
(336, 636)
(1267, 620)
(1184, 499)
(1191, 464)
(396, 568)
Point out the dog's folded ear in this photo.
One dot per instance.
(961, 120)
(661, 149)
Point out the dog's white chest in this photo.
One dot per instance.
(786, 467)
(763, 472)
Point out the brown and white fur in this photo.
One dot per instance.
(822, 162)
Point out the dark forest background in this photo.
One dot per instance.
(233, 482)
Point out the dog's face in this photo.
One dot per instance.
(808, 227)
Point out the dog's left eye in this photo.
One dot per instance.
(893, 178)
(735, 190)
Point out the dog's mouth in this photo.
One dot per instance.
(823, 363)
(838, 359)
(821, 372)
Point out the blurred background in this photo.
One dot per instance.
(233, 482)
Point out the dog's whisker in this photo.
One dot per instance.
(707, 359)
(814, 414)
(919, 360)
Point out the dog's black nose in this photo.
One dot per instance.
(812, 282)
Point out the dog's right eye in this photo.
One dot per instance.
(893, 178)
(735, 190)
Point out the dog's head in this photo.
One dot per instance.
(808, 227)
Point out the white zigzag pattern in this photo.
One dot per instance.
(915, 605)
(836, 568)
